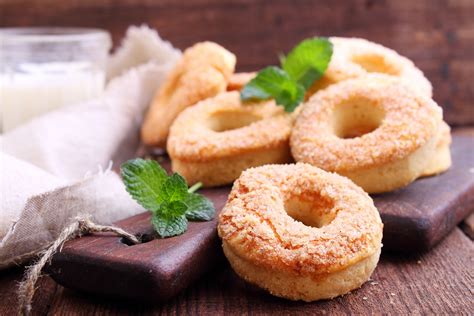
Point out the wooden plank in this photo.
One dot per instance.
(437, 35)
(437, 282)
(156, 269)
(42, 301)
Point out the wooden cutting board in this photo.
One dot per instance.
(415, 219)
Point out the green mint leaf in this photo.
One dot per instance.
(167, 197)
(171, 209)
(175, 188)
(168, 226)
(200, 208)
(291, 96)
(308, 61)
(276, 83)
(143, 180)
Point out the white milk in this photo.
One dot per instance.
(40, 88)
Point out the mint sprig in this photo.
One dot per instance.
(303, 65)
(168, 198)
(273, 82)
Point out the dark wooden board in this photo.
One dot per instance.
(437, 34)
(418, 216)
(156, 269)
(438, 282)
(415, 219)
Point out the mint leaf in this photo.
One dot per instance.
(143, 180)
(199, 208)
(168, 226)
(175, 188)
(171, 209)
(167, 197)
(169, 219)
(305, 64)
(274, 82)
(308, 61)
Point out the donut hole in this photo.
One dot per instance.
(315, 212)
(376, 63)
(230, 120)
(356, 118)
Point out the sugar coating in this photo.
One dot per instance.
(192, 138)
(410, 121)
(202, 72)
(255, 224)
(347, 50)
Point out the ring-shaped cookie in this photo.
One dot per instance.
(356, 57)
(202, 72)
(215, 140)
(374, 130)
(375, 58)
(300, 232)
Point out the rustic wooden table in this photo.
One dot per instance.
(438, 282)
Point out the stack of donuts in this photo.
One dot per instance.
(299, 221)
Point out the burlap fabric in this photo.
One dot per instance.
(57, 166)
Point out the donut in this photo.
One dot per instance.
(300, 232)
(441, 161)
(374, 130)
(215, 140)
(202, 72)
(356, 57)
(375, 58)
(238, 80)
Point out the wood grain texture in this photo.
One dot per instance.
(438, 282)
(437, 34)
(42, 301)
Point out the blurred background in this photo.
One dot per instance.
(438, 35)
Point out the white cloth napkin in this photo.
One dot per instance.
(57, 166)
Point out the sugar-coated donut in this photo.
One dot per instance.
(375, 58)
(300, 232)
(202, 72)
(215, 140)
(374, 130)
(356, 57)
(441, 161)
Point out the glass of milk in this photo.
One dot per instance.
(42, 69)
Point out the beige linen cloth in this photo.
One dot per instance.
(57, 166)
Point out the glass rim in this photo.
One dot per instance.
(53, 34)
